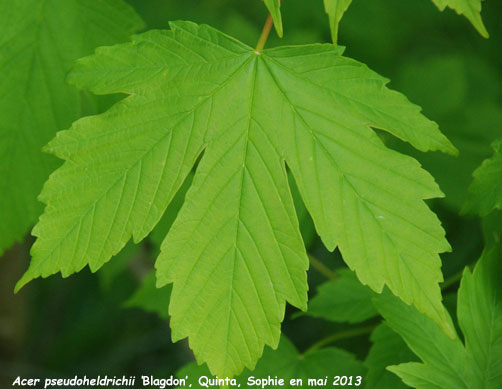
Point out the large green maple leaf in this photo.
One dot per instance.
(39, 40)
(234, 253)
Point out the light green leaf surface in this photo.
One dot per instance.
(234, 253)
(485, 192)
(39, 40)
(344, 299)
(274, 7)
(447, 363)
(388, 349)
(335, 10)
(471, 9)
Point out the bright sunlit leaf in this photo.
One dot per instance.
(234, 254)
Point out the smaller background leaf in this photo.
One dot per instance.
(111, 270)
(444, 358)
(388, 349)
(480, 317)
(447, 363)
(471, 9)
(274, 7)
(307, 228)
(485, 192)
(287, 363)
(343, 300)
(335, 10)
(492, 229)
(150, 298)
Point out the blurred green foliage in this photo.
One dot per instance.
(83, 325)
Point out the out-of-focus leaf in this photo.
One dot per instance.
(150, 298)
(287, 363)
(492, 229)
(485, 192)
(307, 228)
(471, 9)
(458, 91)
(444, 358)
(480, 318)
(39, 40)
(441, 83)
(388, 349)
(111, 270)
(344, 299)
(447, 363)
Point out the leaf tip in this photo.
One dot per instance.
(27, 277)
(480, 27)
(452, 150)
(279, 30)
(447, 147)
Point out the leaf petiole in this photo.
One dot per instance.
(322, 268)
(346, 334)
(264, 34)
